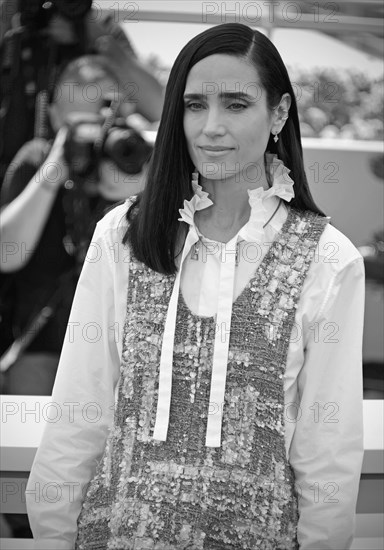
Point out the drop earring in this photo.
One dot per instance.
(195, 177)
(276, 138)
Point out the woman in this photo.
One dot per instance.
(238, 409)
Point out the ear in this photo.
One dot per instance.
(281, 113)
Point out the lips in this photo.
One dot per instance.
(214, 148)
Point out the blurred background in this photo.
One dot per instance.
(334, 54)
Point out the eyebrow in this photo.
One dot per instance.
(223, 95)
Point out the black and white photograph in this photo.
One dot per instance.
(192, 275)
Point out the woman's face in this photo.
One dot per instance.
(226, 120)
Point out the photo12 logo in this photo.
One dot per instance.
(252, 13)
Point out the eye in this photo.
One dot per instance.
(194, 106)
(237, 106)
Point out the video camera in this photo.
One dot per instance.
(92, 138)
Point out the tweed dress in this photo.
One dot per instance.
(180, 494)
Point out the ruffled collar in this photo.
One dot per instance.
(282, 186)
(199, 201)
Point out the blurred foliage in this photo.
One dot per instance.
(342, 103)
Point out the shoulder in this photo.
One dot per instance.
(337, 249)
(334, 249)
(114, 224)
(107, 241)
(336, 264)
(333, 246)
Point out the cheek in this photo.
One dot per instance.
(111, 179)
(187, 129)
(258, 133)
(193, 124)
(116, 185)
(189, 135)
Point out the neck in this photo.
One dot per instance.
(230, 209)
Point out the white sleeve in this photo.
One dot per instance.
(327, 446)
(84, 393)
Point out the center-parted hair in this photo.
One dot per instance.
(154, 229)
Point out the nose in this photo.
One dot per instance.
(213, 124)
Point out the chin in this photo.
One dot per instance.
(111, 195)
(216, 171)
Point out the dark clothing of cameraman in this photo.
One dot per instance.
(40, 62)
(50, 270)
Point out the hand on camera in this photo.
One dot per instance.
(55, 170)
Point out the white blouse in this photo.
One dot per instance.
(323, 380)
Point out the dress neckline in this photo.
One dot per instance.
(259, 268)
(253, 229)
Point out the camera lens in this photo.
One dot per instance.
(127, 149)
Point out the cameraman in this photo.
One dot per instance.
(49, 213)
(37, 40)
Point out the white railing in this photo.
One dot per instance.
(24, 417)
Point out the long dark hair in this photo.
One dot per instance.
(154, 229)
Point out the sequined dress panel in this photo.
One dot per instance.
(180, 494)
